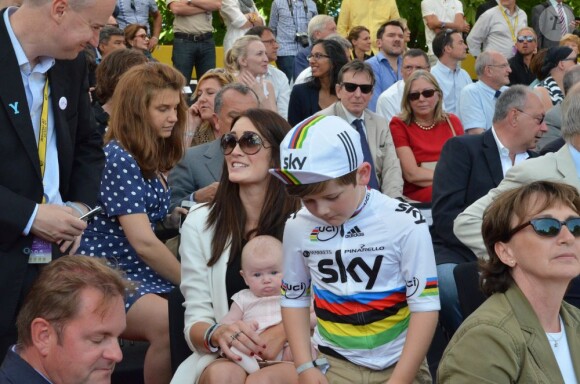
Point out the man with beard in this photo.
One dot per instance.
(526, 44)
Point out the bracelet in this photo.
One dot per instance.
(321, 362)
(75, 207)
(207, 338)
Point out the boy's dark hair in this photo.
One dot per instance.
(442, 40)
(312, 189)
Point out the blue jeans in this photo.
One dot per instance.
(450, 314)
(286, 65)
(187, 54)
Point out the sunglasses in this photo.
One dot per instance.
(427, 93)
(548, 227)
(529, 39)
(364, 88)
(250, 143)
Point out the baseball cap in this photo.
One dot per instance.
(318, 149)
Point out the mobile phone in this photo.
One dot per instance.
(187, 204)
(91, 214)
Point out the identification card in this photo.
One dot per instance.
(514, 50)
(41, 252)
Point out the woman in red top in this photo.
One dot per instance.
(419, 133)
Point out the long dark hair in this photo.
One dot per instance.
(227, 215)
(337, 58)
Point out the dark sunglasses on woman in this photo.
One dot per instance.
(427, 93)
(549, 227)
(250, 143)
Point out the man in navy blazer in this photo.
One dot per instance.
(40, 44)
(471, 165)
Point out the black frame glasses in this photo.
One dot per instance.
(538, 120)
(364, 88)
(426, 93)
(250, 143)
(549, 227)
(317, 56)
(529, 39)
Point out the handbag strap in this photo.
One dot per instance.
(450, 125)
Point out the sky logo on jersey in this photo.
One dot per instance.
(354, 232)
(323, 233)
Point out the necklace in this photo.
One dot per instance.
(554, 340)
(425, 128)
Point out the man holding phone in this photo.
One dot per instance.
(53, 153)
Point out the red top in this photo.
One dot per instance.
(426, 146)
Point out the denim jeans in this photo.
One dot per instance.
(450, 314)
(286, 65)
(187, 54)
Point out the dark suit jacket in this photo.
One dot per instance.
(545, 21)
(303, 102)
(201, 166)
(80, 156)
(468, 167)
(14, 370)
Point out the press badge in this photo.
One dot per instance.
(41, 251)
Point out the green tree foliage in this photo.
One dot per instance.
(409, 9)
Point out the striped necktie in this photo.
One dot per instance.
(563, 26)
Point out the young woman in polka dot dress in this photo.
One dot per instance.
(144, 140)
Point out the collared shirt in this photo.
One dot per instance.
(504, 155)
(389, 103)
(477, 105)
(385, 76)
(350, 118)
(493, 31)
(575, 158)
(521, 73)
(286, 24)
(281, 88)
(33, 80)
(445, 10)
(451, 83)
(140, 15)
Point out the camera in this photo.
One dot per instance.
(302, 39)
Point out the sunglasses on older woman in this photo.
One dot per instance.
(427, 93)
(250, 143)
(549, 227)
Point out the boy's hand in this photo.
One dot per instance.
(312, 376)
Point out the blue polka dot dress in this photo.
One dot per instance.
(125, 191)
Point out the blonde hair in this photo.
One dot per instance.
(407, 112)
(237, 51)
(570, 38)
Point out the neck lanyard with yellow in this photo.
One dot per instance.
(43, 132)
(511, 27)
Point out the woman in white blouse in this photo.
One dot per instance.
(239, 16)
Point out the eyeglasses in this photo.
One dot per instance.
(250, 143)
(539, 120)
(364, 88)
(143, 36)
(529, 39)
(427, 93)
(502, 66)
(317, 56)
(548, 227)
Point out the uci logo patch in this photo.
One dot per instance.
(322, 233)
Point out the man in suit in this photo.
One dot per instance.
(69, 326)
(52, 153)
(468, 167)
(195, 177)
(554, 114)
(354, 89)
(552, 20)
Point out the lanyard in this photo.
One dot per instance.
(510, 26)
(43, 131)
(292, 13)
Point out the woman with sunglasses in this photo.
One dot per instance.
(249, 202)
(200, 120)
(557, 61)
(248, 62)
(144, 141)
(326, 59)
(136, 37)
(524, 332)
(419, 133)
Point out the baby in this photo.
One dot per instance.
(262, 272)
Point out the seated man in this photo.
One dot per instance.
(69, 325)
(477, 101)
(526, 46)
(354, 89)
(195, 177)
(389, 102)
(471, 165)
